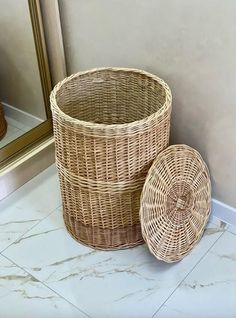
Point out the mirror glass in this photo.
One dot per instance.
(21, 97)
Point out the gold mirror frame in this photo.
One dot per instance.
(10, 151)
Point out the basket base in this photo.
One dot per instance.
(104, 239)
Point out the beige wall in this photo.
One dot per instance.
(189, 43)
(19, 75)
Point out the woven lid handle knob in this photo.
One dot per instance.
(180, 204)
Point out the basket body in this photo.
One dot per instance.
(3, 123)
(109, 125)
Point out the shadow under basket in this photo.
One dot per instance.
(109, 125)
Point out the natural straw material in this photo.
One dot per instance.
(175, 203)
(109, 125)
(3, 123)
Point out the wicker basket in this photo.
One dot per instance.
(175, 203)
(3, 123)
(109, 125)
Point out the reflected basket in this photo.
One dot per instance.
(3, 123)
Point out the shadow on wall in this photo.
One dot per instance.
(13, 82)
(209, 133)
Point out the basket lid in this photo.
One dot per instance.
(175, 203)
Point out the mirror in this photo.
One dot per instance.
(24, 76)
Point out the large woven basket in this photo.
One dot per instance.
(109, 125)
(175, 203)
(3, 123)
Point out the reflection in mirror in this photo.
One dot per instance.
(21, 97)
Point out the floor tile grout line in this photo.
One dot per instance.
(79, 309)
(45, 285)
(30, 229)
(197, 263)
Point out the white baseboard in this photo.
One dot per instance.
(21, 119)
(223, 212)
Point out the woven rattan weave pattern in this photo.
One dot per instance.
(109, 125)
(3, 123)
(175, 202)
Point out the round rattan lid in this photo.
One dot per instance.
(175, 203)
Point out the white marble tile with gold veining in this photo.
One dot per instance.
(23, 296)
(166, 312)
(28, 205)
(210, 289)
(126, 283)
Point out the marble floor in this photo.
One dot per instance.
(45, 273)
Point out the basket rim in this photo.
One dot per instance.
(165, 107)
